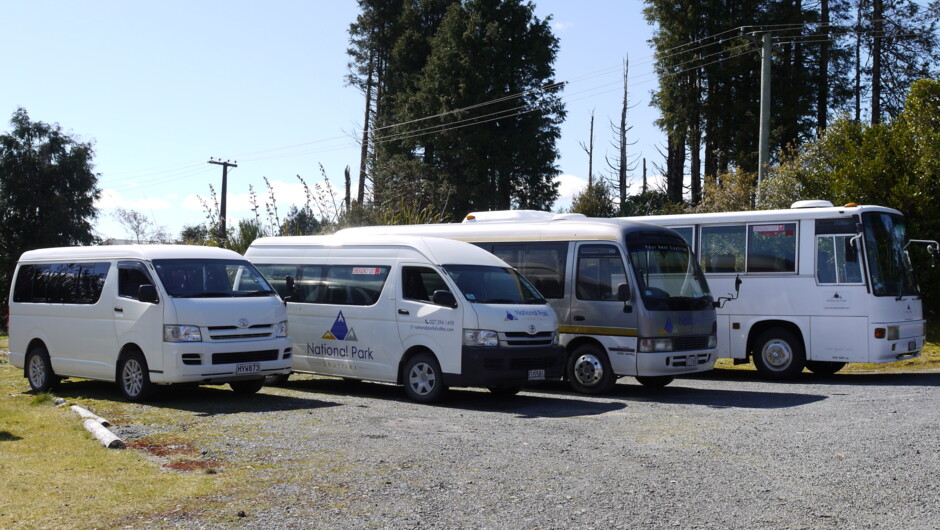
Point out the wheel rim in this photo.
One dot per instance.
(132, 377)
(588, 370)
(37, 371)
(777, 354)
(422, 379)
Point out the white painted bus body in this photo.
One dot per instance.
(837, 310)
(606, 335)
(362, 308)
(74, 310)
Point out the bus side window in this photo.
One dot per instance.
(825, 260)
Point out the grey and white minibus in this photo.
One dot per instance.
(423, 312)
(630, 297)
(823, 285)
(145, 315)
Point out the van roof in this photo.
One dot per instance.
(436, 250)
(145, 252)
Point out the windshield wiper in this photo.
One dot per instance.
(254, 293)
(207, 294)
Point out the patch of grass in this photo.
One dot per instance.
(53, 473)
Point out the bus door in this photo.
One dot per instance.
(596, 308)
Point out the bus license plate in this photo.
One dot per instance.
(247, 368)
(912, 345)
(691, 360)
(536, 375)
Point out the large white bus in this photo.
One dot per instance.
(823, 286)
(630, 297)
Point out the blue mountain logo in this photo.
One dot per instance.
(340, 331)
(509, 316)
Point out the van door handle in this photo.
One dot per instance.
(403, 312)
(118, 309)
(578, 318)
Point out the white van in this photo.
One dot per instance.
(427, 313)
(145, 315)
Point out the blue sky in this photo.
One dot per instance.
(160, 87)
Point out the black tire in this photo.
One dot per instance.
(38, 370)
(133, 377)
(276, 380)
(654, 381)
(589, 370)
(779, 354)
(504, 391)
(423, 379)
(824, 367)
(250, 386)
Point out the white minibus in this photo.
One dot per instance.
(145, 315)
(630, 298)
(426, 313)
(824, 285)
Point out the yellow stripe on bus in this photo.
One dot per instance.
(593, 330)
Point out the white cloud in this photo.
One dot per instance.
(568, 187)
(561, 26)
(111, 199)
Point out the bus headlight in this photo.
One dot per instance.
(893, 333)
(654, 345)
(713, 341)
(181, 333)
(480, 337)
(280, 329)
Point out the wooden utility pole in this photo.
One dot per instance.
(223, 239)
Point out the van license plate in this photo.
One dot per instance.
(247, 368)
(536, 375)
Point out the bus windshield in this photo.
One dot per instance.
(668, 275)
(888, 263)
(493, 285)
(210, 278)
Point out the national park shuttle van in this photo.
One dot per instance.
(427, 313)
(145, 315)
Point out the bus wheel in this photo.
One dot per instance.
(589, 370)
(276, 379)
(134, 377)
(824, 367)
(251, 386)
(423, 379)
(39, 370)
(654, 381)
(779, 354)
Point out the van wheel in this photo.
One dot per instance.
(134, 377)
(276, 379)
(39, 370)
(778, 354)
(824, 367)
(504, 391)
(589, 370)
(423, 379)
(654, 381)
(251, 386)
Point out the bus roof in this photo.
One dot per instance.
(784, 214)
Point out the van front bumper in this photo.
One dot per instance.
(207, 362)
(502, 366)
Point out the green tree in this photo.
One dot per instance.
(48, 190)
(595, 200)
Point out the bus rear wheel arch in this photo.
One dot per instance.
(778, 353)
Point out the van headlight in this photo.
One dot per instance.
(181, 333)
(280, 330)
(654, 345)
(480, 337)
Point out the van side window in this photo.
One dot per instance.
(61, 283)
(131, 275)
(600, 272)
(722, 248)
(543, 264)
(419, 283)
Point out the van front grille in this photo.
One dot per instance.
(244, 357)
(521, 338)
(257, 331)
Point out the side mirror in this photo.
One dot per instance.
(623, 294)
(443, 298)
(720, 302)
(147, 293)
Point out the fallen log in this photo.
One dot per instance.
(106, 437)
(89, 415)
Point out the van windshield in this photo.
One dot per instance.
(493, 285)
(210, 278)
(667, 273)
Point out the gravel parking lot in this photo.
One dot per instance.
(724, 450)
